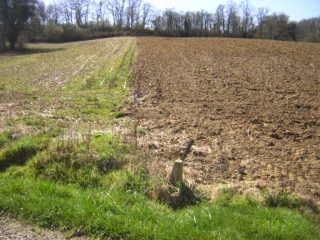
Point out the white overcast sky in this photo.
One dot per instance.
(296, 9)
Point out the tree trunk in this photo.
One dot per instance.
(2, 37)
(13, 36)
(12, 44)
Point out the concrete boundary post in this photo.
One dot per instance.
(177, 171)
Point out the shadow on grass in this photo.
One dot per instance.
(17, 156)
(19, 151)
(180, 196)
(30, 51)
(284, 200)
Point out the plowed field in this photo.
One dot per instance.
(251, 106)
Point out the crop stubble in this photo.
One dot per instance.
(48, 82)
(251, 106)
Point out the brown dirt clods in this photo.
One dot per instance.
(251, 106)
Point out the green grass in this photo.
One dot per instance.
(127, 214)
(4, 137)
(19, 151)
(62, 168)
(80, 162)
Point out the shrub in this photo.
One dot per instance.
(75, 33)
(22, 42)
(53, 33)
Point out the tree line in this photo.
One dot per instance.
(72, 20)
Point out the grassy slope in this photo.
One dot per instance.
(129, 214)
(78, 184)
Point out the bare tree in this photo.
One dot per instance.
(220, 19)
(34, 27)
(88, 4)
(65, 7)
(116, 9)
(158, 22)
(53, 13)
(81, 10)
(40, 12)
(168, 16)
(100, 11)
(208, 23)
(247, 17)
(261, 15)
(132, 13)
(277, 27)
(147, 12)
(232, 18)
(282, 22)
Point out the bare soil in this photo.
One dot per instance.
(251, 106)
(11, 229)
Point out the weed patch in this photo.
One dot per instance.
(282, 199)
(81, 162)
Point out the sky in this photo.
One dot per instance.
(295, 9)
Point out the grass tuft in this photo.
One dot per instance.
(282, 199)
(81, 162)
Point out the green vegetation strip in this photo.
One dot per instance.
(127, 214)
